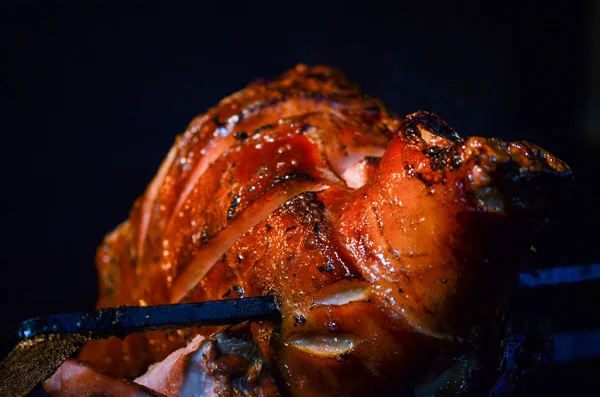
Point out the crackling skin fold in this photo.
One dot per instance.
(388, 242)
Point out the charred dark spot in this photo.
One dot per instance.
(241, 136)
(432, 123)
(456, 160)
(305, 127)
(233, 206)
(271, 102)
(224, 257)
(268, 227)
(215, 120)
(316, 205)
(262, 105)
(232, 166)
(239, 290)
(264, 127)
(420, 176)
(227, 293)
(439, 156)
(289, 228)
(343, 357)
(328, 268)
(204, 236)
(156, 259)
(444, 280)
(293, 176)
(310, 195)
(400, 289)
(316, 229)
(300, 319)
(239, 258)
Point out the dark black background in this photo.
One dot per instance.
(93, 94)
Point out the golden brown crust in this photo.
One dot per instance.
(384, 239)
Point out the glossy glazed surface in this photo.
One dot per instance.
(388, 242)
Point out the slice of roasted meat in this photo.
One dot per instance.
(228, 363)
(389, 243)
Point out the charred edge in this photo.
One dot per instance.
(264, 127)
(227, 293)
(312, 196)
(316, 96)
(268, 227)
(420, 176)
(290, 228)
(372, 160)
(456, 160)
(271, 102)
(433, 123)
(439, 157)
(305, 127)
(294, 176)
(215, 120)
(235, 202)
(241, 136)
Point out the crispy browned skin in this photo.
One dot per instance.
(386, 241)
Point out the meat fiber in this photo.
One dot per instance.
(390, 243)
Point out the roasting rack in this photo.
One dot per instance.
(567, 296)
(557, 293)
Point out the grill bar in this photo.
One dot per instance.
(560, 275)
(563, 294)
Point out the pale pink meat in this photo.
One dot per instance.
(228, 363)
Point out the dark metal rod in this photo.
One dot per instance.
(560, 275)
(124, 320)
